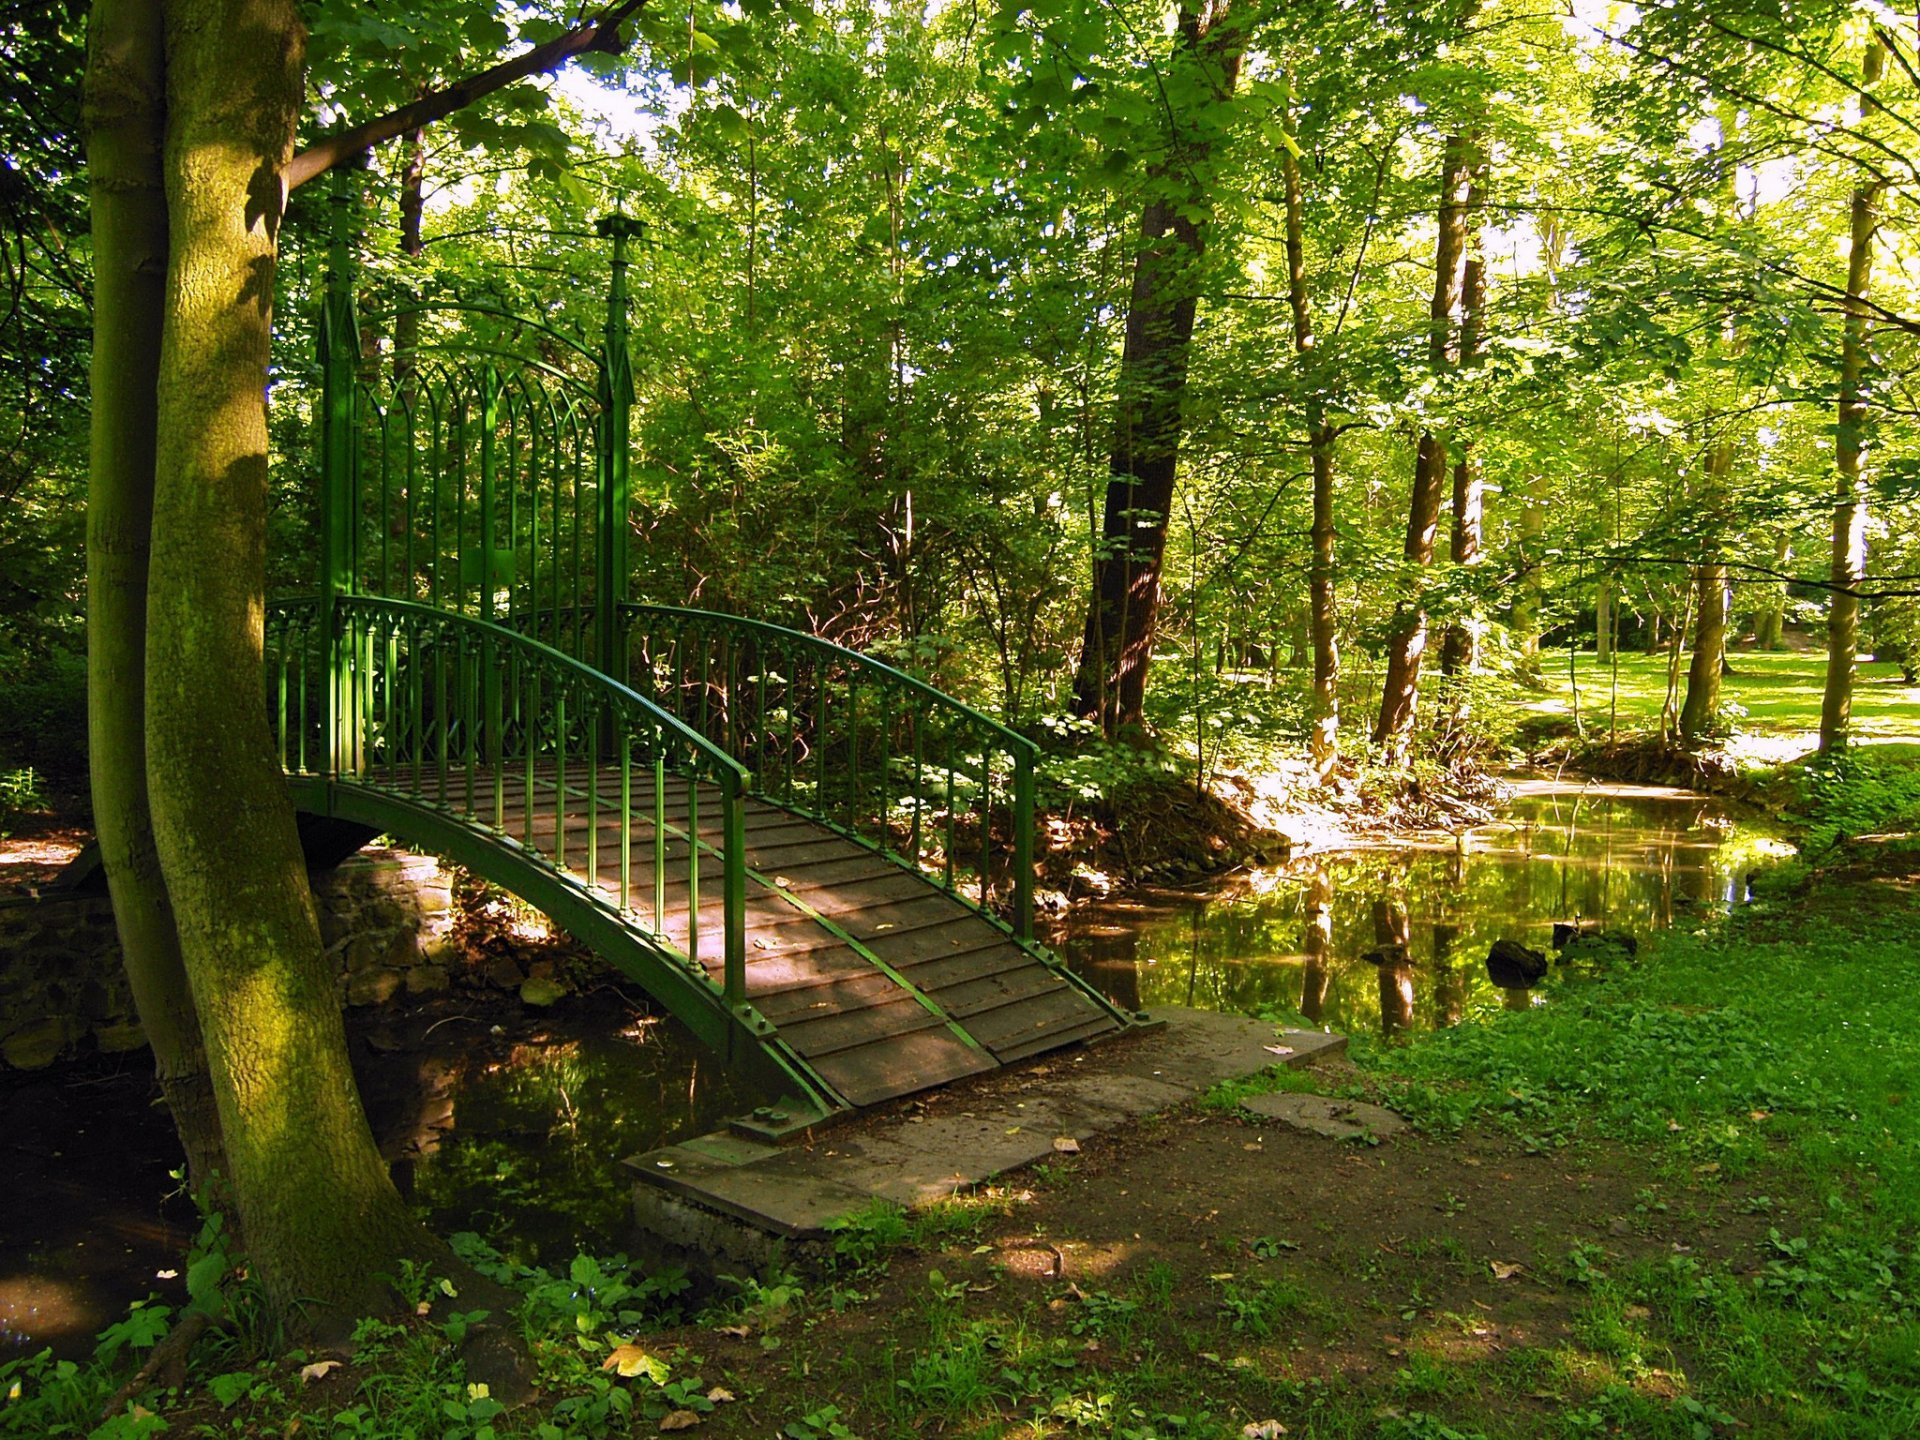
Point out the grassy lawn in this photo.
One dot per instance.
(1780, 694)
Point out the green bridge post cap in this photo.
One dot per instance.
(620, 225)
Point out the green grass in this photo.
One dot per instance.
(1797, 1077)
(1779, 693)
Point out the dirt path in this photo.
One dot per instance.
(1209, 1263)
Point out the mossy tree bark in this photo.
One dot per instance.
(322, 1220)
(125, 119)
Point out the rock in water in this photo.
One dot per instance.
(1513, 966)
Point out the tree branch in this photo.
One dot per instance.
(602, 34)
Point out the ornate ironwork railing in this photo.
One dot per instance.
(597, 783)
(883, 758)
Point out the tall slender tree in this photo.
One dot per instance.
(1110, 682)
(1848, 562)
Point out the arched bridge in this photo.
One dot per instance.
(821, 864)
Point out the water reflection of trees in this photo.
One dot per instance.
(520, 1137)
(1293, 939)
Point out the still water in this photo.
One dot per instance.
(1294, 938)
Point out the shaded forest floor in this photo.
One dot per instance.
(1678, 1199)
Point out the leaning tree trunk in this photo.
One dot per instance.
(125, 119)
(1322, 614)
(323, 1222)
(1407, 641)
(1110, 683)
(1848, 564)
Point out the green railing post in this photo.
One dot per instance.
(1023, 842)
(616, 417)
(339, 352)
(733, 861)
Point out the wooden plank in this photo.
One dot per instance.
(901, 1065)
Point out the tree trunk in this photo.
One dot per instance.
(1770, 621)
(322, 1220)
(1458, 652)
(1110, 683)
(1323, 616)
(1528, 595)
(125, 116)
(1407, 642)
(1848, 563)
(1603, 623)
(1709, 653)
(413, 207)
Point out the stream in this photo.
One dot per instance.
(512, 1122)
(1293, 939)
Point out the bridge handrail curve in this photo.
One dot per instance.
(499, 703)
(468, 307)
(744, 692)
(1011, 738)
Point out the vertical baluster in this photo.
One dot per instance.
(497, 731)
(693, 868)
(1023, 843)
(626, 818)
(821, 716)
(530, 741)
(593, 795)
(949, 809)
(986, 820)
(470, 721)
(853, 750)
(560, 774)
(703, 677)
(760, 710)
(885, 792)
(793, 722)
(280, 715)
(417, 722)
(733, 861)
(918, 718)
(659, 831)
(395, 723)
(441, 721)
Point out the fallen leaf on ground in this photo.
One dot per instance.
(1278, 1049)
(720, 1395)
(679, 1420)
(318, 1370)
(631, 1360)
(1066, 1145)
(739, 1332)
(1263, 1430)
(1504, 1271)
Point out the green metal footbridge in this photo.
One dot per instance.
(822, 865)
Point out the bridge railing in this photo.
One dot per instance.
(882, 757)
(503, 732)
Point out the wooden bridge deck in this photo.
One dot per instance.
(882, 981)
